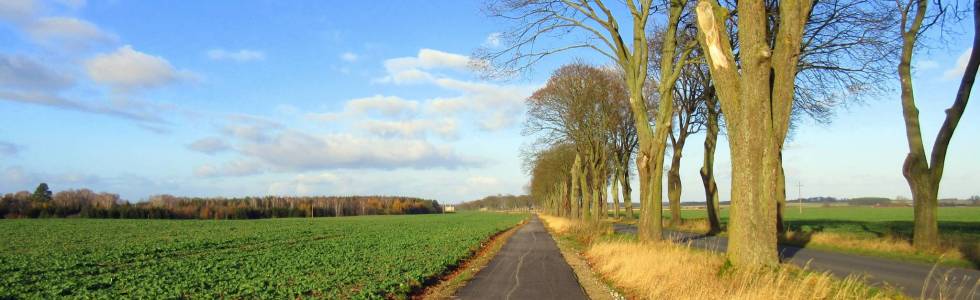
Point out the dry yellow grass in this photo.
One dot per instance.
(847, 241)
(671, 271)
(558, 225)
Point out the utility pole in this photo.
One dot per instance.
(799, 190)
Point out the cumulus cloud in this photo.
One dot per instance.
(349, 57)
(406, 70)
(377, 105)
(956, 72)
(67, 31)
(242, 55)
(23, 73)
(209, 145)
(127, 69)
(492, 106)
(445, 128)
(294, 150)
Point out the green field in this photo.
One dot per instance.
(865, 220)
(351, 257)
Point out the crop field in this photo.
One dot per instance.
(351, 257)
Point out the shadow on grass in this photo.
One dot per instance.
(963, 236)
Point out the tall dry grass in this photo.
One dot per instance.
(671, 271)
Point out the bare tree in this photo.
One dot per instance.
(577, 106)
(922, 175)
(590, 24)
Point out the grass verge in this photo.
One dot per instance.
(455, 279)
(671, 271)
(955, 250)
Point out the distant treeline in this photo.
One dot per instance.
(498, 202)
(88, 204)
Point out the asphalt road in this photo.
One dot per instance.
(529, 266)
(907, 276)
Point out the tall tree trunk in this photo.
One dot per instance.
(586, 192)
(708, 170)
(575, 191)
(614, 189)
(757, 111)
(781, 197)
(922, 178)
(674, 180)
(627, 190)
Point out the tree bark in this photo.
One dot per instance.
(614, 189)
(575, 191)
(627, 190)
(707, 170)
(674, 179)
(586, 192)
(922, 178)
(757, 111)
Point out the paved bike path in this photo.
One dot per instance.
(529, 266)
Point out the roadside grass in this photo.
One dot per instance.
(872, 231)
(681, 272)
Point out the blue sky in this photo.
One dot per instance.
(233, 98)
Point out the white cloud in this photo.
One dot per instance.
(957, 70)
(293, 150)
(242, 55)
(68, 31)
(493, 40)
(127, 69)
(407, 70)
(305, 184)
(390, 106)
(209, 145)
(379, 105)
(349, 57)
(234, 168)
(285, 149)
(492, 106)
(445, 128)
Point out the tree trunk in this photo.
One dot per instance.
(780, 197)
(674, 181)
(708, 170)
(614, 189)
(627, 190)
(922, 178)
(757, 109)
(586, 192)
(575, 192)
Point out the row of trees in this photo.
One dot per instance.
(498, 202)
(748, 68)
(88, 204)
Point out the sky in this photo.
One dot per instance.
(236, 98)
